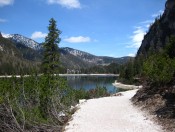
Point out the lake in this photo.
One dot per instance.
(91, 82)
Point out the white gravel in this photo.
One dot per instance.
(124, 86)
(111, 114)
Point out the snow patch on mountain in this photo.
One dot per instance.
(84, 55)
(25, 41)
(75, 52)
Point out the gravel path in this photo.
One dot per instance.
(111, 114)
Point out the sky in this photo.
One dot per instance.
(112, 28)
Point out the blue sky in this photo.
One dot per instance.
(101, 27)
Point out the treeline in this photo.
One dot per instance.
(112, 68)
(11, 65)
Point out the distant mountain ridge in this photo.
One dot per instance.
(16, 38)
(96, 60)
(70, 58)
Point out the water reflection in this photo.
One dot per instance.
(91, 82)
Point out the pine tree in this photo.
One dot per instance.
(50, 62)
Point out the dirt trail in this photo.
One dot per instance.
(111, 114)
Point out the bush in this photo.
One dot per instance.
(31, 102)
(159, 69)
(98, 92)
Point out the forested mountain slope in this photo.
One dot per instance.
(12, 60)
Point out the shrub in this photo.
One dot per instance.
(159, 69)
(31, 102)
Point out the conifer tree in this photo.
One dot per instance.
(50, 62)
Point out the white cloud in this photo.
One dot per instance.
(38, 35)
(140, 31)
(2, 20)
(157, 14)
(138, 34)
(6, 2)
(66, 3)
(147, 22)
(137, 37)
(79, 39)
(131, 55)
(148, 25)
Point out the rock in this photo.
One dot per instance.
(61, 114)
(118, 94)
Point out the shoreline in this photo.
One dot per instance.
(110, 75)
(64, 75)
(125, 86)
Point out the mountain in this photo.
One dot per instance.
(70, 58)
(12, 60)
(16, 38)
(91, 60)
(157, 52)
(160, 31)
(30, 49)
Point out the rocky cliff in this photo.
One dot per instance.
(160, 31)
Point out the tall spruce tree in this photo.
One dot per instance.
(50, 64)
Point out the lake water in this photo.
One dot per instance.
(91, 82)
